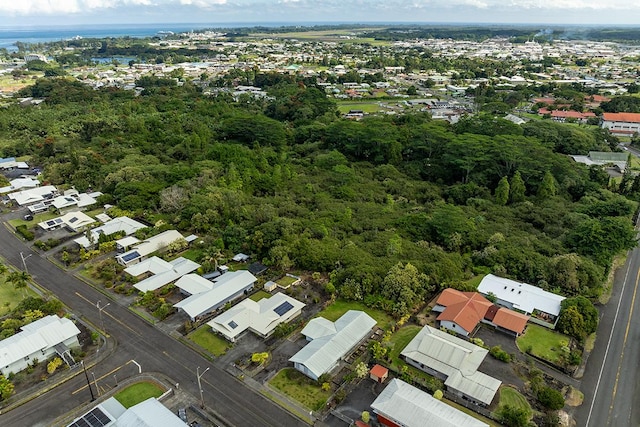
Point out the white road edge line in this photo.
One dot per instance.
(604, 360)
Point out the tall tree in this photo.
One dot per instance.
(548, 187)
(502, 191)
(517, 189)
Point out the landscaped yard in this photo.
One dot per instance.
(137, 393)
(286, 281)
(10, 297)
(400, 339)
(340, 307)
(300, 388)
(44, 216)
(209, 341)
(510, 396)
(543, 343)
(260, 295)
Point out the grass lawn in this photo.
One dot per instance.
(365, 106)
(300, 388)
(259, 295)
(471, 413)
(340, 307)
(543, 342)
(10, 296)
(137, 393)
(44, 216)
(400, 339)
(194, 254)
(286, 281)
(209, 341)
(510, 396)
(474, 282)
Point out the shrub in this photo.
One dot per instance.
(24, 232)
(438, 394)
(53, 365)
(500, 354)
(366, 417)
(512, 416)
(551, 398)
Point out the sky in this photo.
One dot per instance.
(82, 12)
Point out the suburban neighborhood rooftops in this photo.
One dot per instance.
(455, 358)
(194, 284)
(621, 117)
(122, 224)
(332, 343)
(32, 195)
(261, 316)
(163, 272)
(522, 296)
(411, 407)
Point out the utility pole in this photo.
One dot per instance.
(199, 375)
(100, 312)
(88, 382)
(24, 264)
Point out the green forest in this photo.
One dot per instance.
(391, 208)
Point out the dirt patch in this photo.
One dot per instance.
(574, 396)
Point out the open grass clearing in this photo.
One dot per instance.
(10, 297)
(205, 338)
(367, 107)
(286, 281)
(400, 339)
(259, 295)
(543, 343)
(137, 393)
(340, 307)
(300, 388)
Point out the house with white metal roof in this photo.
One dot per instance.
(38, 340)
(161, 272)
(121, 224)
(72, 199)
(226, 288)
(33, 195)
(19, 184)
(453, 360)
(542, 306)
(404, 405)
(145, 248)
(75, 221)
(331, 342)
(111, 413)
(259, 317)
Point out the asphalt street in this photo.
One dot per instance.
(611, 381)
(137, 340)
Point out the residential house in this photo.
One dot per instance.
(161, 272)
(145, 248)
(121, 224)
(403, 405)
(19, 184)
(111, 413)
(453, 360)
(621, 123)
(10, 163)
(33, 195)
(39, 340)
(331, 342)
(72, 200)
(604, 158)
(461, 312)
(542, 306)
(74, 221)
(261, 317)
(216, 294)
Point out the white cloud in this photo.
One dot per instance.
(44, 7)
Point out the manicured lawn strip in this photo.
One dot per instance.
(300, 388)
(340, 307)
(9, 295)
(512, 397)
(400, 339)
(44, 216)
(259, 295)
(137, 393)
(285, 281)
(209, 341)
(475, 281)
(471, 413)
(367, 107)
(194, 254)
(543, 343)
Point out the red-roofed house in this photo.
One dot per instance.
(621, 123)
(463, 311)
(562, 116)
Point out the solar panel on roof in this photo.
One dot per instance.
(93, 418)
(51, 223)
(130, 256)
(57, 220)
(283, 308)
(72, 220)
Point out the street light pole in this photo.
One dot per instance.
(24, 264)
(199, 375)
(100, 312)
(95, 383)
(88, 382)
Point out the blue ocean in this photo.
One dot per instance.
(38, 34)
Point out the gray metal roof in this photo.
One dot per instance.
(331, 344)
(411, 407)
(457, 359)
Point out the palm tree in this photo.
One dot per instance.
(20, 279)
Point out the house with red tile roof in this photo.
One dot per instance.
(621, 123)
(462, 312)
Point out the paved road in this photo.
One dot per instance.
(138, 340)
(611, 380)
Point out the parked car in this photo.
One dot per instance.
(182, 413)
